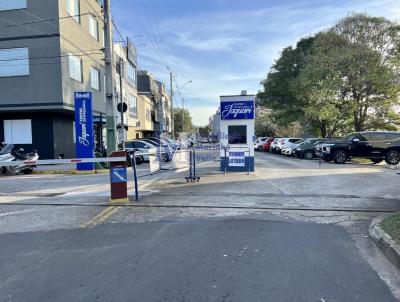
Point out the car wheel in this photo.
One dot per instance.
(260, 148)
(376, 160)
(309, 155)
(393, 157)
(340, 157)
(128, 161)
(139, 160)
(27, 171)
(164, 157)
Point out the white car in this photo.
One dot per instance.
(146, 148)
(273, 145)
(288, 150)
(259, 142)
(286, 143)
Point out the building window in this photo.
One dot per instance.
(95, 78)
(75, 67)
(18, 131)
(93, 27)
(73, 9)
(132, 104)
(12, 4)
(148, 114)
(237, 134)
(131, 73)
(14, 62)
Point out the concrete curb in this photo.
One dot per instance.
(70, 172)
(383, 240)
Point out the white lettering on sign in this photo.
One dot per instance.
(84, 95)
(236, 159)
(229, 111)
(82, 122)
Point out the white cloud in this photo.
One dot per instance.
(223, 52)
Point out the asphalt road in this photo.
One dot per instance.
(208, 241)
(224, 259)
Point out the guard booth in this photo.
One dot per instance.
(237, 132)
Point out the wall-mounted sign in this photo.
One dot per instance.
(239, 110)
(84, 128)
(236, 159)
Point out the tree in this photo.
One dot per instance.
(178, 120)
(343, 78)
(370, 69)
(319, 85)
(264, 126)
(278, 92)
(204, 131)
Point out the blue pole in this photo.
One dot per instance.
(191, 165)
(133, 161)
(194, 164)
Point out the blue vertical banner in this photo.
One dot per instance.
(84, 139)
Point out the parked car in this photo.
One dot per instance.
(374, 145)
(267, 144)
(259, 142)
(307, 148)
(288, 149)
(285, 143)
(148, 148)
(273, 145)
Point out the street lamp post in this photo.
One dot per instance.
(183, 113)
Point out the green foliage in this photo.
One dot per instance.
(278, 92)
(180, 120)
(264, 125)
(204, 131)
(343, 79)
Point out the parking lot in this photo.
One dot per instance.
(290, 220)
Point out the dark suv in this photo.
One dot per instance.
(377, 146)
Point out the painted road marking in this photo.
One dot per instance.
(16, 212)
(101, 217)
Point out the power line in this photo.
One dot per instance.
(51, 24)
(45, 63)
(125, 43)
(45, 20)
(157, 27)
(147, 29)
(154, 32)
(51, 57)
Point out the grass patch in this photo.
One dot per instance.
(364, 161)
(391, 225)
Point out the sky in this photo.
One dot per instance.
(225, 46)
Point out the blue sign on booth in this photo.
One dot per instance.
(84, 128)
(239, 110)
(118, 174)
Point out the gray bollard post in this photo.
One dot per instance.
(226, 160)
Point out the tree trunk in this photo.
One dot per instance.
(322, 129)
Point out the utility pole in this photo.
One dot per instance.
(172, 106)
(183, 117)
(121, 100)
(109, 75)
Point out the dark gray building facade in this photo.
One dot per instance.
(49, 49)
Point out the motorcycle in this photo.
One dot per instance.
(8, 154)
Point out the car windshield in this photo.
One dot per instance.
(350, 137)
